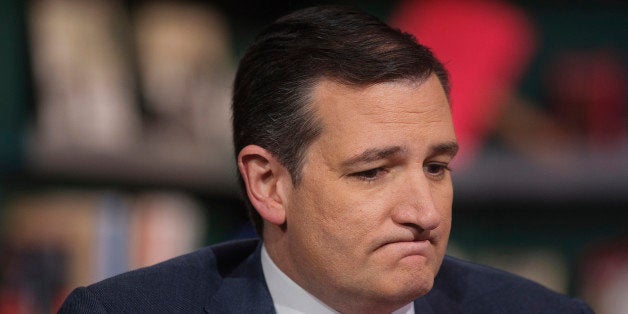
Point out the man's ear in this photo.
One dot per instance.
(263, 176)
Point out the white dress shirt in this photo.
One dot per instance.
(290, 298)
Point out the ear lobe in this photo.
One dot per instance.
(261, 173)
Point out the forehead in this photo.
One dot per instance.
(395, 111)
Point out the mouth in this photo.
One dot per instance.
(420, 245)
(408, 249)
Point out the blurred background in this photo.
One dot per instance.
(115, 148)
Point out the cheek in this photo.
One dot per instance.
(338, 216)
(443, 195)
(443, 198)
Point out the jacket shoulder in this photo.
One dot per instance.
(463, 286)
(181, 284)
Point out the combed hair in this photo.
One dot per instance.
(277, 73)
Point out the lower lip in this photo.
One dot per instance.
(408, 248)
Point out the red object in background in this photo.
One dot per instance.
(485, 45)
(586, 89)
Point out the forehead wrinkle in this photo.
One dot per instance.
(426, 119)
(421, 112)
(384, 108)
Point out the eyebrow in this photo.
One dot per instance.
(448, 149)
(374, 154)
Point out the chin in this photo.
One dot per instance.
(406, 289)
(417, 275)
(417, 288)
(392, 299)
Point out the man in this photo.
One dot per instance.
(343, 136)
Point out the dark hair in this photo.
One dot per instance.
(274, 79)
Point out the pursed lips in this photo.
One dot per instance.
(413, 245)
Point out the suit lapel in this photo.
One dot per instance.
(244, 290)
(421, 306)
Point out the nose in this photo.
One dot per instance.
(416, 206)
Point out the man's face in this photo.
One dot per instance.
(371, 217)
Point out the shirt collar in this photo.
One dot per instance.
(289, 298)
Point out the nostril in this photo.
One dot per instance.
(411, 226)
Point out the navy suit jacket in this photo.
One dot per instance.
(228, 278)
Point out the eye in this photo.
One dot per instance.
(369, 175)
(436, 170)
